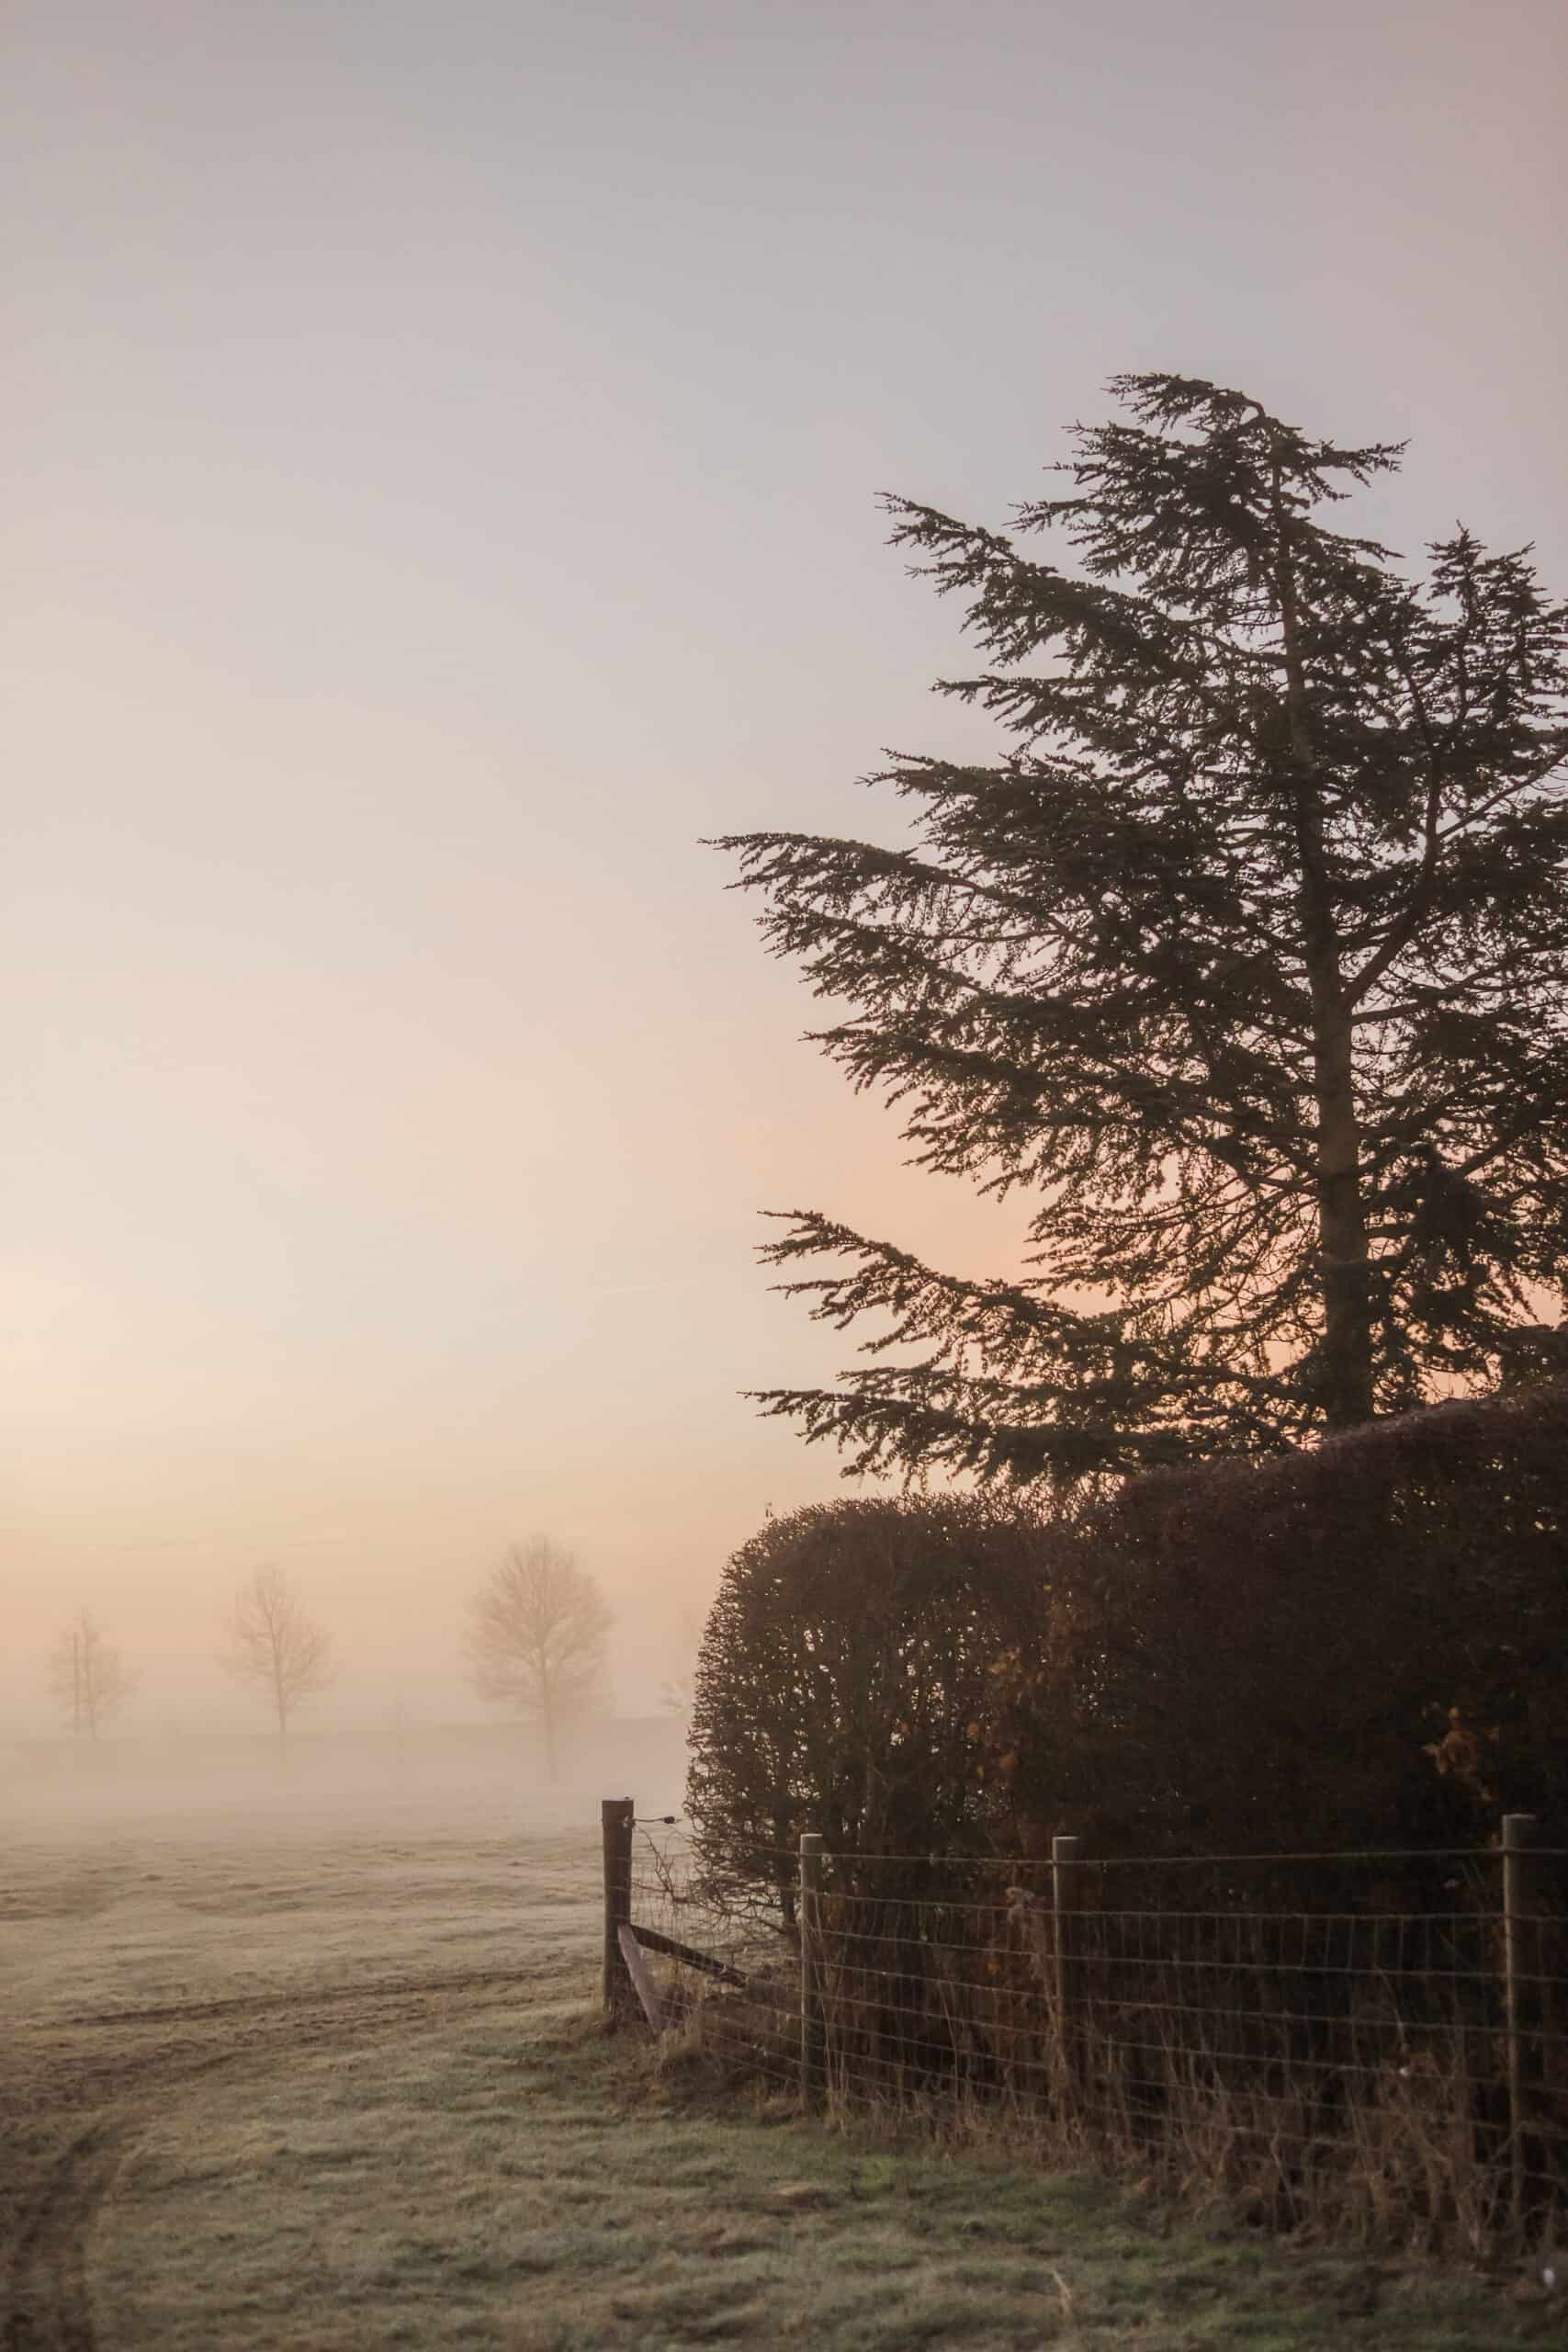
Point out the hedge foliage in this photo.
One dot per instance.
(1365, 1645)
(1362, 1645)
(845, 1677)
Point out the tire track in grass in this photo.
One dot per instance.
(236, 2005)
(47, 2306)
(113, 2094)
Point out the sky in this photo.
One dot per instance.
(442, 446)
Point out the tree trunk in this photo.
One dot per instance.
(1342, 1225)
(1346, 1382)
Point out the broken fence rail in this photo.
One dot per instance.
(624, 1941)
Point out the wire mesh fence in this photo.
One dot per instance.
(744, 2003)
(1372, 2043)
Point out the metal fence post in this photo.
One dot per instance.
(1064, 1903)
(615, 1815)
(1521, 1986)
(811, 2051)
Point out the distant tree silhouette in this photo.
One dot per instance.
(1246, 961)
(89, 1679)
(537, 1637)
(273, 1643)
(677, 1691)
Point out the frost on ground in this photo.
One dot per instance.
(321, 2072)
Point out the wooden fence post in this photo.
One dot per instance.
(615, 1820)
(810, 1908)
(1064, 1903)
(1521, 1986)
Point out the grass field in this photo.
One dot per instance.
(326, 2073)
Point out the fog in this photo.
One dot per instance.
(396, 1640)
(404, 1780)
(440, 489)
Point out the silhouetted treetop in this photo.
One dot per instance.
(1245, 960)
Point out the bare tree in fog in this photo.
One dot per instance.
(274, 1642)
(677, 1692)
(537, 1637)
(89, 1676)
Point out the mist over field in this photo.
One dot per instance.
(416, 545)
(397, 1631)
(226, 1786)
(443, 453)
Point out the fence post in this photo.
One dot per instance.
(1521, 1985)
(1064, 1903)
(811, 2051)
(615, 1820)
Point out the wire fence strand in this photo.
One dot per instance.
(1372, 2043)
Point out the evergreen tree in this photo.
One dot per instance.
(1246, 961)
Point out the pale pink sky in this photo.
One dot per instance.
(441, 447)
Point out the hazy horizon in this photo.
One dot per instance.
(442, 457)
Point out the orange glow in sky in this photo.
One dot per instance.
(443, 446)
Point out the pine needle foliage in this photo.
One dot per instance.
(1244, 962)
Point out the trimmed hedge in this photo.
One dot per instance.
(844, 1681)
(1365, 1645)
(1360, 1647)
